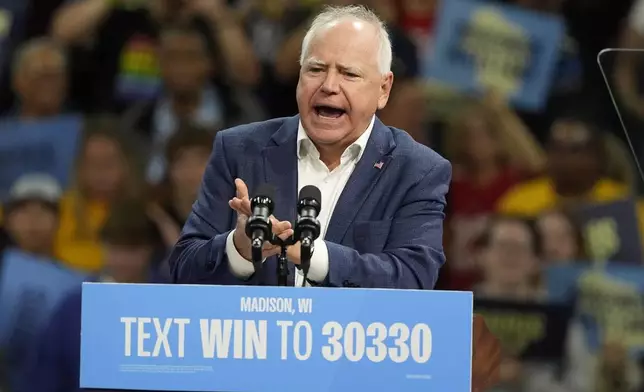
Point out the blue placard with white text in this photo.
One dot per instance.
(266, 339)
(47, 146)
(30, 290)
(609, 301)
(481, 47)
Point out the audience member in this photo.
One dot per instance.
(39, 79)
(128, 239)
(31, 214)
(122, 38)
(187, 155)
(20, 21)
(107, 170)
(576, 174)
(270, 24)
(491, 151)
(508, 256)
(561, 238)
(188, 96)
(31, 223)
(565, 93)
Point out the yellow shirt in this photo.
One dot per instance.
(537, 196)
(533, 198)
(78, 243)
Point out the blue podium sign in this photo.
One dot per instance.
(266, 339)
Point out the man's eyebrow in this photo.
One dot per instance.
(348, 68)
(315, 63)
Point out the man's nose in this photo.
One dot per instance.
(331, 83)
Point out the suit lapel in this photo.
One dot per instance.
(373, 163)
(280, 168)
(280, 171)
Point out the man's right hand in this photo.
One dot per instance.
(241, 204)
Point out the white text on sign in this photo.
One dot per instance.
(249, 339)
(294, 339)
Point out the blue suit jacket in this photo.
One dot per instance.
(386, 230)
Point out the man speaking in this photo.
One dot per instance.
(381, 221)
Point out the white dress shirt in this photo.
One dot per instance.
(312, 171)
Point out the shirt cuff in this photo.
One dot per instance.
(239, 266)
(319, 268)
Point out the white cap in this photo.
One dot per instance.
(35, 186)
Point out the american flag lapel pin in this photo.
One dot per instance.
(378, 165)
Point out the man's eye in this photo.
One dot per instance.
(315, 69)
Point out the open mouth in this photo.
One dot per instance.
(329, 111)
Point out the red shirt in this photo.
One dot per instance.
(418, 24)
(470, 205)
(467, 198)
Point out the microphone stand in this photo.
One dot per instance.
(256, 252)
(282, 260)
(305, 257)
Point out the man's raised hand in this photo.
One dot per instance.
(241, 204)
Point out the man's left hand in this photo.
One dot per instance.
(486, 356)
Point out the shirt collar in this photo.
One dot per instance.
(305, 146)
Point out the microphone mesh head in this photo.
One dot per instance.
(265, 190)
(311, 192)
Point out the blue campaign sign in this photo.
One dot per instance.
(605, 238)
(47, 146)
(481, 46)
(266, 339)
(609, 301)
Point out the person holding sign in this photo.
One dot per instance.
(383, 194)
(128, 239)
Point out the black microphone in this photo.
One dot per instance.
(258, 226)
(307, 226)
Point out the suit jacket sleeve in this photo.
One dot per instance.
(413, 253)
(200, 253)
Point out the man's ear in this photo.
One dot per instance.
(385, 89)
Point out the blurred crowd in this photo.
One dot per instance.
(154, 80)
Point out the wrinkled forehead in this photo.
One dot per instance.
(350, 43)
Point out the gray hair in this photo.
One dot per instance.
(33, 46)
(332, 15)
